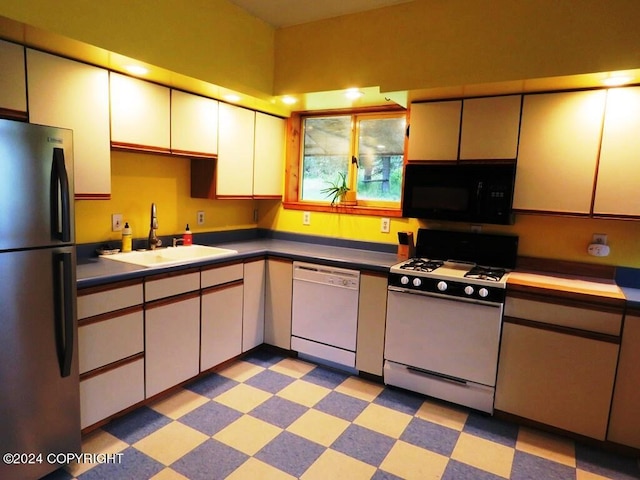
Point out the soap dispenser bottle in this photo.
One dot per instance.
(187, 237)
(127, 236)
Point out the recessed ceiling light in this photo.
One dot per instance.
(136, 69)
(232, 97)
(617, 80)
(353, 93)
(289, 100)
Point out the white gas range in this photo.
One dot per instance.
(444, 316)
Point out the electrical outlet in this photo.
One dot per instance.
(384, 225)
(116, 222)
(306, 218)
(599, 238)
(200, 217)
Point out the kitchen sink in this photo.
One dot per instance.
(161, 257)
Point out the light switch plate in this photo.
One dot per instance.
(116, 222)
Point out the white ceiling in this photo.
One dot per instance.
(284, 13)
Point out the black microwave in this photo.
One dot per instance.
(475, 193)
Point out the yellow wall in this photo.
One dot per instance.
(436, 43)
(211, 40)
(555, 237)
(137, 180)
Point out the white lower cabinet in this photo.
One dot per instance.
(624, 424)
(253, 305)
(172, 341)
(110, 349)
(221, 324)
(278, 302)
(558, 361)
(111, 392)
(221, 314)
(372, 307)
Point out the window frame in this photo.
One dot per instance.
(293, 167)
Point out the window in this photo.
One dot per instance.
(367, 149)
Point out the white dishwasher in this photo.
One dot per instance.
(325, 312)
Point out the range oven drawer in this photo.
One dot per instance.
(469, 394)
(454, 338)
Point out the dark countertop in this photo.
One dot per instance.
(632, 295)
(98, 271)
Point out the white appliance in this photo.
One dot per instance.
(325, 312)
(444, 316)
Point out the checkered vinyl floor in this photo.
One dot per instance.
(272, 417)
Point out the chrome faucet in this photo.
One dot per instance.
(154, 241)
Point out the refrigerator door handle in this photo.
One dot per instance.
(60, 201)
(64, 317)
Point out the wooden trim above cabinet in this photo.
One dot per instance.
(222, 286)
(109, 286)
(92, 196)
(128, 147)
(564, 297)
(565, 330)
(14, 114)
(109, 315)
(160, 276)
(192, 154)
(112, 366)
(170, 300)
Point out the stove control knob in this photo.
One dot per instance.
(404, 280)
(417, 282)
(442, 286)
(483, 292)
(468, 290)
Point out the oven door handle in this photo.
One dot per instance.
(392, 288)
(438, 376)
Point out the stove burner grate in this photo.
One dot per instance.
(421, 265)
(486, 273)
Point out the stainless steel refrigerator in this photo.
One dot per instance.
(39, 385)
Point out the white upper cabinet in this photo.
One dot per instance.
(619, 168)
(69, 94)
(234, 169)
(194, 124)
(490, 128)
(140, 114)
(434, 130)
(268, 167)
(13, 88)
(558, 152)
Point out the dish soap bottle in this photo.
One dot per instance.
(126, 238)
(187, 237)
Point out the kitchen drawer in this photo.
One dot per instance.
(110, 339)
(219, 275)
(168, 285)
(606, 321)
(111, 392)
(96, 301)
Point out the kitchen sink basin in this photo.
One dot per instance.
(161, 257)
